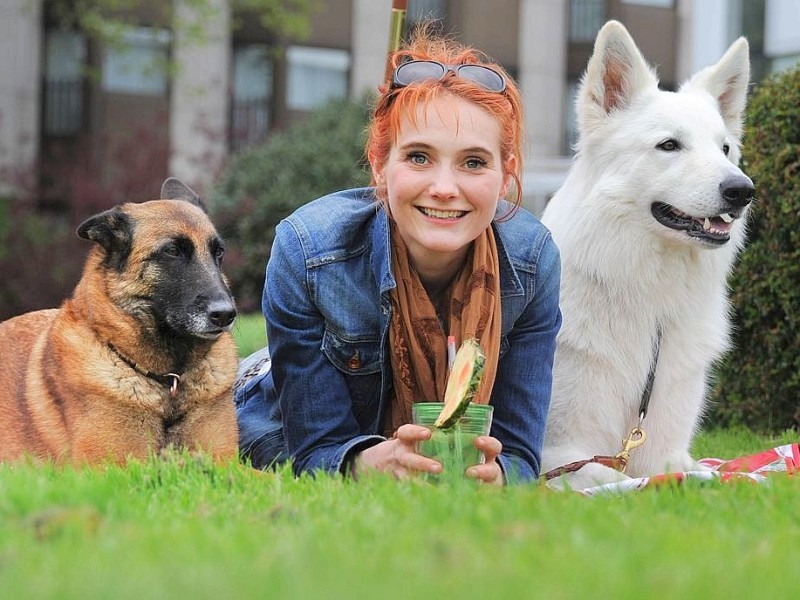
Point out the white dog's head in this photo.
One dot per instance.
(669, 159)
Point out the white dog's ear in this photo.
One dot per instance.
(727, 82)
(617, 72)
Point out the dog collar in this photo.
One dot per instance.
(169, 380)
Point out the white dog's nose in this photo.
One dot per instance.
(738, 190)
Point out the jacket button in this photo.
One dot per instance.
(354, 362)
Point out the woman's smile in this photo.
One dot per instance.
(435, 213)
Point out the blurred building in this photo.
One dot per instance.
(234, 90)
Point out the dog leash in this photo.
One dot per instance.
(636, 437)
(169, 380)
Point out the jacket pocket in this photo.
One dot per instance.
(361, 363)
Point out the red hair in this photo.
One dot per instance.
(392, 105)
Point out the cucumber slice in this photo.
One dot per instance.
(462, 385)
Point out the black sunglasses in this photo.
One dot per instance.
(414, 71)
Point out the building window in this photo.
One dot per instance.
(65, 58)
(655, 3)
(137, 64)
(586, 17)
(252, 93)
(781, 41)
(315, 76)
(784, 63)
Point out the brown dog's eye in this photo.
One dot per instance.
(217, 250)
(179, 247)
(171, 250)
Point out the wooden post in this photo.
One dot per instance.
(397, 24)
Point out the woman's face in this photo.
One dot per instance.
(444, 177)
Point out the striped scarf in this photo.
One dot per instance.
(417, 341)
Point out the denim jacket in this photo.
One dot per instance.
(327, 309)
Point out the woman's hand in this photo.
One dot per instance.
(397, 455)
(489, 471)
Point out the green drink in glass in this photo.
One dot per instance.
(454, 446)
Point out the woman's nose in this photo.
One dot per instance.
(444, 184)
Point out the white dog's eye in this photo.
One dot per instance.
(726, 148)
(669, 145)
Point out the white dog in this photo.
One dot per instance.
(648, 221)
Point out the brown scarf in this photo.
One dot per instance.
(416, 339)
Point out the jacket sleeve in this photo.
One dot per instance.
(521, 395)
(319, 426)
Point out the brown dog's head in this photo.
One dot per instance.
(161, 261)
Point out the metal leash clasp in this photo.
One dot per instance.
(635, 438)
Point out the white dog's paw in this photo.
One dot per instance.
(680, 462)
(693, 465)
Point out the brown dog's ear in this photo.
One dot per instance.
(113, 230)
(174, 189)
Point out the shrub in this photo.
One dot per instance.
(40, 255)
(40, 259)
(758, 385)
(262, 185)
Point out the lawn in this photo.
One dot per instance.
(178, 527)
(250, 333)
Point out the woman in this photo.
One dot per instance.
(364, 286)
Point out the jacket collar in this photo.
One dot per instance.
(381, 257)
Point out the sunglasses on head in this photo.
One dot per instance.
(415, 71)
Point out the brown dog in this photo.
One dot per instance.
(140, 358)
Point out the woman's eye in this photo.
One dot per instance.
(417, 158)
(475, 163)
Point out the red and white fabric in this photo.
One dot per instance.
(755, 467)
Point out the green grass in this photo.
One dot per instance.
(249, 333)
(181, 528)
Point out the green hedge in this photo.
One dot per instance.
(40, 258)
(322, 154)
(758, 385)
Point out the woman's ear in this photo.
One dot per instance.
(510, 167)
(377, 170)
